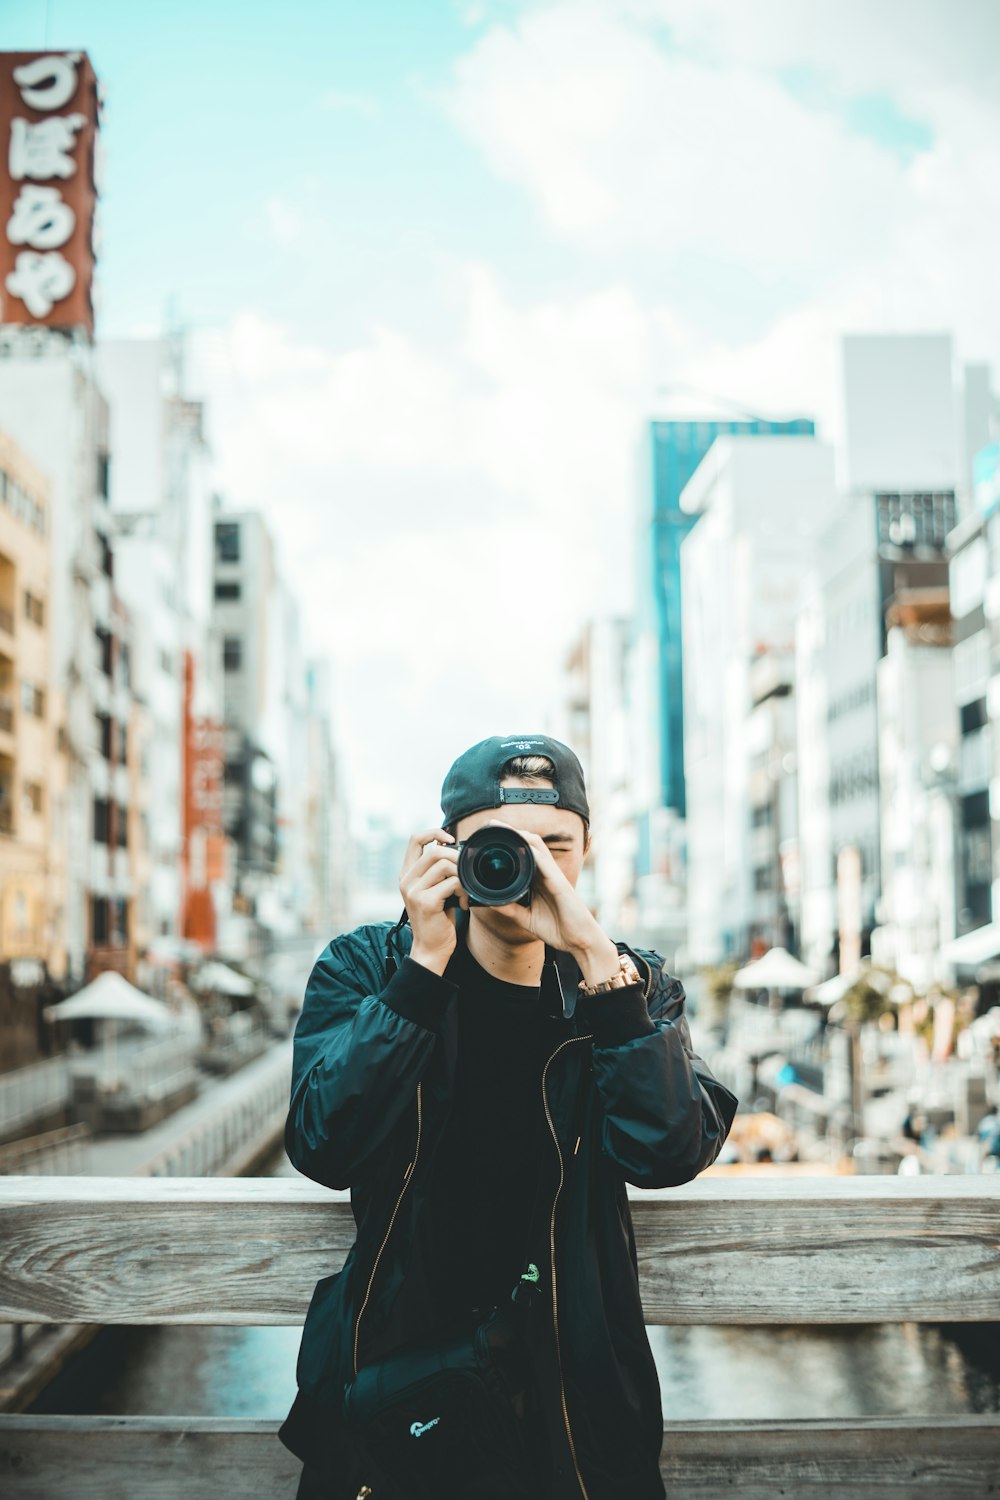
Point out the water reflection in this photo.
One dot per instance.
(717, 1373)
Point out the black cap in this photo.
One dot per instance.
(473, 783)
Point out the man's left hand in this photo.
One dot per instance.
(560, 917)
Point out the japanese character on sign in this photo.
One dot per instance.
(49, 136)
(40, 219)
(48, 82)
(41, 281)
(44, 149)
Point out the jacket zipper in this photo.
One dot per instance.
(406, 1182)
(552, 1256)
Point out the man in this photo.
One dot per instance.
(462, 1067)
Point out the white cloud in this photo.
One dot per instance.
(447, 516)
(429, 490)
(624, 144)
(661, 132)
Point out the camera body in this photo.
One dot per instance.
(496, 867)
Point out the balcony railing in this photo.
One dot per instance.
(837, 1250)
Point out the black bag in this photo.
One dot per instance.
(451, 1420)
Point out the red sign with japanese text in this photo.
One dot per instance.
(204, 856)
(49, 119)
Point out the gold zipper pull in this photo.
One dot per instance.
(577, 1146)
(364, 1492)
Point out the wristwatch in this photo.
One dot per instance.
(627, 974)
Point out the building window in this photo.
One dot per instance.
(104, 735)
(967, 577)
(119, 922)
(971, 658)
(102, 820)
(104, 650)
(122, 744)
(107, 561)
(232, 653)
(103, 475)
(228, 590)
(33, 699)
(227, 541)
(34, 608)
(977, 855)
(98, 920)
(32, 797)
(121, 826)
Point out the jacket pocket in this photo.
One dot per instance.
(318, 1352)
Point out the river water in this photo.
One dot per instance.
(719, 1372)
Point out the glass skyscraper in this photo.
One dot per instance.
(674, 451)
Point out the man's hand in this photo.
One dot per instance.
(560, 917)
(428, 877)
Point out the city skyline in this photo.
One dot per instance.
(439, 283)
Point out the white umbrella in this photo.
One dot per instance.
(216, 976)
(111, 997)
(832, 990)
(775, 970)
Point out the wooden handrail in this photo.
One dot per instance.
(717, 1250)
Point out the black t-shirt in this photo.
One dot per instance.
(488, 1160)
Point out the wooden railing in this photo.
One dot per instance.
(28, 1093)
(716, 1251)
(61, 1150)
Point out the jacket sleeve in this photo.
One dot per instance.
(359, 1049)
(665, 1115)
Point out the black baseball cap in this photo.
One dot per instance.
(473, 783)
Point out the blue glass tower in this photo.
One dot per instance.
(676, 448)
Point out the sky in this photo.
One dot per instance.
(439, 262)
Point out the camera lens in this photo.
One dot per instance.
(495, 867)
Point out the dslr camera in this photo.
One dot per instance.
(495, 866)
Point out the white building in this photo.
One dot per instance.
(599, 725)
(918, 753)
(280, 763)
(161, 504)
(902, 466)
(760, 501)
(52, 406)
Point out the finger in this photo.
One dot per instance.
(418, 840)
(432, 898)
(421, 862)
(428, 879)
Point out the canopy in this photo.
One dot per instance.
(973, 947)
(776, 970)
(111, 996)
(216, 976)
(833, 989)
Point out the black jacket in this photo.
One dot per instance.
(625, 1099)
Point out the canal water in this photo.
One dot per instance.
(721, 1372)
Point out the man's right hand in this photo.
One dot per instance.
(428, 877)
